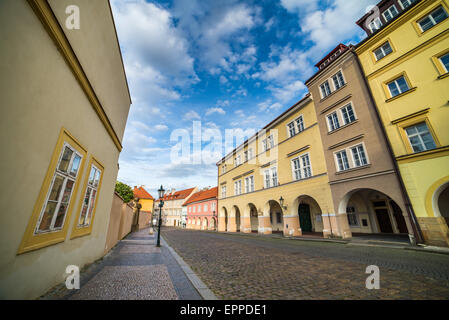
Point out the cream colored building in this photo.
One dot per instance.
(65, 104)
(172, 214)
(277, 180)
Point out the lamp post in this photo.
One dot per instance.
(161, 192)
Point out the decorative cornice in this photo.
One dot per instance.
(48, 19)
(415, 114)
(298, 151)
(346, 141)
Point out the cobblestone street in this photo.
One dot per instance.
(239, 266)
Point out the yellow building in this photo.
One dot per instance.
(145, 199)
(406, 62)
(276, 181)
(65, 104)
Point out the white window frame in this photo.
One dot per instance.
(374, 21)
(397, 86)
(291, 129)
(298, 126)
(392, 16)
(323, 92)
(381, 48)
(223, 191)
(336, 160)
(65, 176)
(362, 145)
(249, 184)
(329, 121)
(267, 178)
(205, 207)
(91, 201)
(420, 137)
(409, 2)
(342, 114)
(274, 176)
(301, 168)
(432, 19)
(237, 187)
(300, 120)
(223, 169)
(335, 76)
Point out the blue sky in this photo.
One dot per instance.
(229, 64)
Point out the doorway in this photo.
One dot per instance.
(305, 221)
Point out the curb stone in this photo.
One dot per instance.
(199, 285)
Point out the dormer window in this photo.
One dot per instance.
(406, 3)
(375, 25)
(390, 13)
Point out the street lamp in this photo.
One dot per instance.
(281, 202)
(161, 192)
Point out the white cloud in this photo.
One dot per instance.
(215, 110)
(299, 5)
(192, 115)
(290, 91)
(268, 105)
(160, 127)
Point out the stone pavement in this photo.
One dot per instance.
(239, 266)
(135, 269)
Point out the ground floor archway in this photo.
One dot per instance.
(276, 216)
(253, 217)
(371, 211)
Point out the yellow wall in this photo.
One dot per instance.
(414, 54)
(147, 204)
(43, 96)
(316, 187)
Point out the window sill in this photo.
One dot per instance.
(442, 76)
(343, 126)
(332, 93)
(401, 95)
(354, 169)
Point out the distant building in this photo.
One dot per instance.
(172, 210)
(65, 103)
(202, 209)
(145, 199)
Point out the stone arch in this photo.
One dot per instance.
(223, 219)
(274, 213)
(236, 216)
(251, 215)
(204, 224)
(212, 223)
(367, 210)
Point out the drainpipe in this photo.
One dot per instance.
(415, 225)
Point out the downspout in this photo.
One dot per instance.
(415, 225)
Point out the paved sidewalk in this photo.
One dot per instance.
(135, 269)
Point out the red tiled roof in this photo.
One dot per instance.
(203, 195)
(141, 193)
(182, 194)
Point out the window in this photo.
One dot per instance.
(213, 206)
(54, 211)
(445, 61)
(199, 208)
(223, 169)
(300, 123)
(383, 51)
(435, 17)
(90, 195)
(295, 126)
(264, 145)
(291, 129)
(332, 120)
(267, 178)
(359, 157)
(301, 167)
(338, 80)
(406, 3)
(348, 114)
(250, 153)
(307, 170)
(205, 208)
(274, 176)
(223, 191)
(398, 86)
(237, 187)
(194, 209)
(270, 140)
(237, 161)
(375, 25)
(245, 155)
(352, 217)
(249, 184)
(325, 89)
(390, 13)
(342, 160)
(420, 137)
